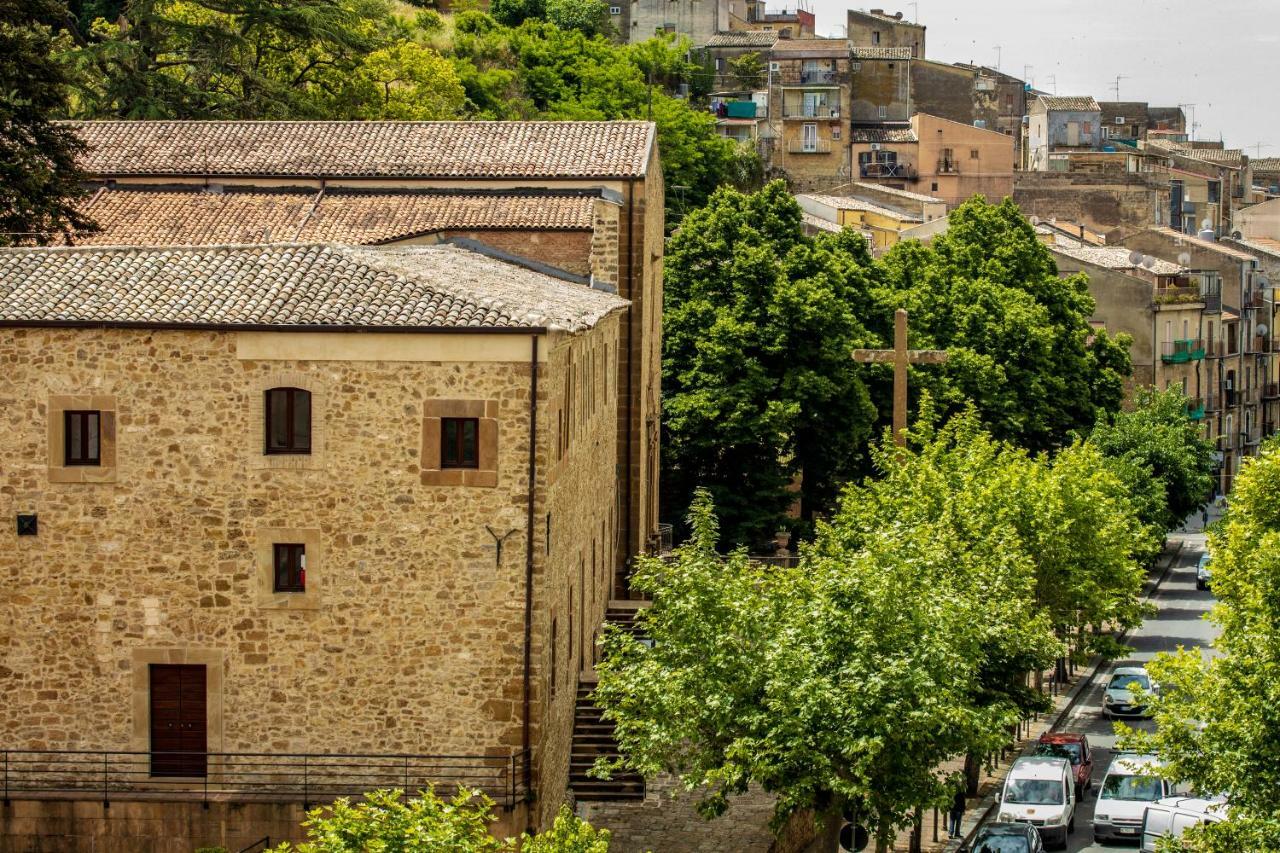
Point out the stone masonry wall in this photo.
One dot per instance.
(414, 641)
(1106, 204)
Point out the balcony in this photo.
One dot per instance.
(1253, 299)
(1180, 352)
(824, 77)
(810, 112)
(1271, 391)
(1257, 345)
(809, 146)
(1177, 295)
(1212, 303)
(1213, 403)
(887, 170)
(1195, 409)
(948, 167)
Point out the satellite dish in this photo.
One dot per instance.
(1185, 259)
(1236, 235)
(1148, 261)
(1206, 224)
(1135, 257)
(1262, 329)
(1035, 220)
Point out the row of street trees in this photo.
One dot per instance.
(905, 635)
(759, 387)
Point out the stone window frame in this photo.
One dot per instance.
(311, 598)
(255, 442)
(106, 469)
(485, 474)
(140, 696)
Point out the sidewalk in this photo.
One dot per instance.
(934, 830)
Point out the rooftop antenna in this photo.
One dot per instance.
(1053, 81)
(1026, 75)
(1194, 126)
(1258, 146)
(1115, 87)
(998, 50)
(915, 12)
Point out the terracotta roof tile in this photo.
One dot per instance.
(354, 149)
(1113, 257)
(1069, 103)
(743, 38)
(847, 203)
(192, 217)
(880, 52)
(289, 285)
(1195, 242)
(1266, 164)
(882, 134)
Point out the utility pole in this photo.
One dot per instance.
(1026, 75)
(998, 54)
(1053, 81)
(1115, 87)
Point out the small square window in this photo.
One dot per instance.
(288, 420)
(82, 437)
(884, 112)
(459, 442)
(289, 561)
(973, 153)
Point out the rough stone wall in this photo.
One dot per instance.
(580, 513)
(902, 33)
(880, 83)
(945, 91)
(604, 241)
(568, 250)
(1104, 203)
(416, 645)
(667, 821)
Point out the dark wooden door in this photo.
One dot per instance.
(178, 725)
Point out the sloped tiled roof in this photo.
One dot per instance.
(814, 47)
(1069, 104)
(847, 203)
(1197, 243)
(903, 194)
(1229, 157)
(1113, 257)
(882, 134)
(889, 19)
(743, 38)
(289, 285)
(880, 52)
(820, 223)
(368, 149)
(1265, 245)
(1266, 164)
(192, 217)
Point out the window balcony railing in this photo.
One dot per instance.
(1253, 299)
(887, 170)
(1182, 351)
(1257, 344)
(1213, 403)
(1177, 295)
(1212, 303)
(809, 146)
(800, 111)
(1271, 391)
(246, 776)
(819, 77)
(948, 167)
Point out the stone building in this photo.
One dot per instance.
(876, 29)
(580, 196)
(1266, 174)
(280, 502)
(1130, 121)
(1058, 127)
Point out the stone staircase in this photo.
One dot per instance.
(593, 735)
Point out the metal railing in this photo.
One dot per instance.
(800, 111)
(1271, 391)
(249, 776)
(816, 146)
(1178, 294)
(1177, 352)
(886, 170)
(948, 167)
(1212, 302)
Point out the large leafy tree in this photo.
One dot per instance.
(1217, 722)
(1021, 347)
(39, 180)
(1161, 442)
(759, 387)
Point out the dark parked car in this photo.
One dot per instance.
(1074, 748)
(1006, 838)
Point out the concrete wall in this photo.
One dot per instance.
(947, 91)
(989, 174)
(881, 83)
(1259, 221)
(1105, 203)
(697, 19)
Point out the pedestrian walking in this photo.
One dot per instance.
(956, 816)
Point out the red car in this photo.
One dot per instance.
(1074, 748)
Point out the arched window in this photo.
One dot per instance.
(288, 420)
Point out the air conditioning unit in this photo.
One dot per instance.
(875, 146)
(1119, 119)
(775, 66)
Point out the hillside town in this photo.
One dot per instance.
(572, 427)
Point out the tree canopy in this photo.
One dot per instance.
(385, 821)
(758, 382)
(39, 179)
(1216, 721)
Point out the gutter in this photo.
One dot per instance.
(268, 327)
(528, 562)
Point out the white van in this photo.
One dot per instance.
(1171, 817)
(1040, 790)
(1131, 784)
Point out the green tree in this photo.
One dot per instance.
(1217, 726)
(590, 17)
(1021, 347)
(747, 70)
(513, 13)
(758, 383)
(1161, 441)
(40, 183)
(408, 82)
(386, 821)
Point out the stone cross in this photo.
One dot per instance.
(901, 357)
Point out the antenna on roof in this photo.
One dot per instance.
(1115, 87)
(1185, 259)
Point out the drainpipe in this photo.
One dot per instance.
(528, 560)
(632, 366)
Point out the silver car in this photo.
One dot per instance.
(1203, 575)
(1120, 697)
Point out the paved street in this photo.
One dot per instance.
(1179, 622)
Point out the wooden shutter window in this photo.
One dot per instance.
(288, 420)
(82, 437)
(459, 442)
(290, 564)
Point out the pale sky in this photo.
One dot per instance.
(1222, 55)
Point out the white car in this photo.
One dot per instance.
(1171, 817)
(1131, 784)
(1041, 791)
(1203, 575)
(1119, 699)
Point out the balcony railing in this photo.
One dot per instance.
(809, 77)
(1212, 303)
(1180, 352)
(887, 170)
(1257, 344)
(799, 111)
(1172, 295)
(1253, 299)
(948, 167)
(252, 777)
(1213, 403)
(814, 146)
(1271, 391)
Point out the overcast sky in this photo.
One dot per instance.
(1222, 55)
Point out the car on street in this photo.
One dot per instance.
(1132, 783)
(1120, 697)
(1171, 817)
(1040, 791)
(1203, 573)
(1005, 838)
(1075, 748)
